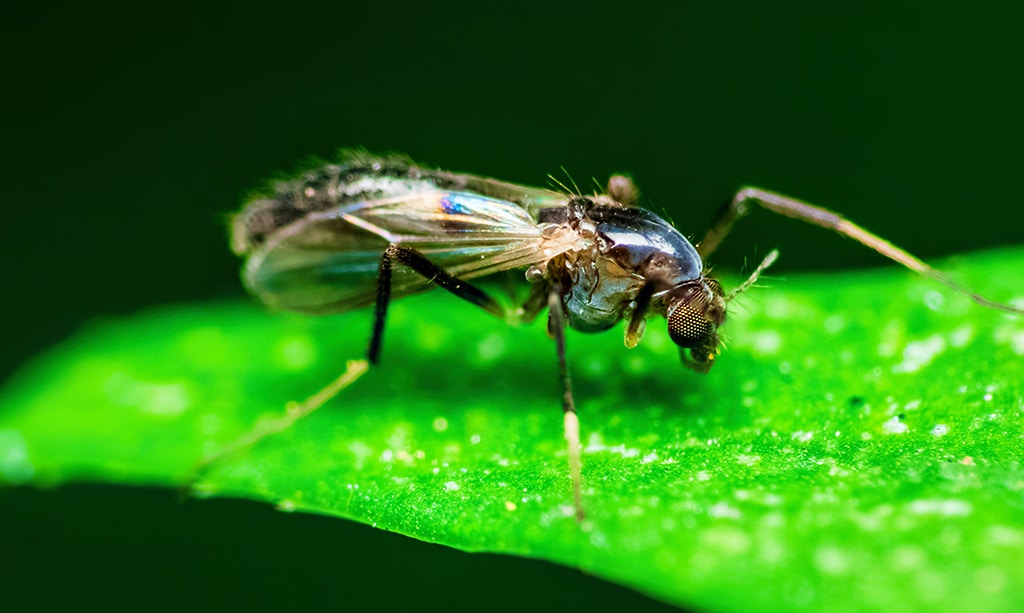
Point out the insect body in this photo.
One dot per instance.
(320, 244)
(367, 229)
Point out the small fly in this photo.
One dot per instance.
(368, 229)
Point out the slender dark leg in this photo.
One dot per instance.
(556, 326)
(535, 303)
(740, 206)
(419, 263)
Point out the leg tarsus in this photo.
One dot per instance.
(294, 411)
(571, 426)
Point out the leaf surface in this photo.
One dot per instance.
(857, 446)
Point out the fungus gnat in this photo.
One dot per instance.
(368, 229)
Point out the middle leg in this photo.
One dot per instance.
(556, 326)
(432, 272)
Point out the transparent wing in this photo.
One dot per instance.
(532, 199)
(359, 177)
(327, 261)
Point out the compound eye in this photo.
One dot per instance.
(688, 326)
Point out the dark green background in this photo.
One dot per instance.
(129, 133)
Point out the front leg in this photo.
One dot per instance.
(740, 206)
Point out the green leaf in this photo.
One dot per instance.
(857, 445)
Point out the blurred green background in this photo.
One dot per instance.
(129, 134)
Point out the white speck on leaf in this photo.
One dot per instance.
(157, 399)
(1018, 343)
(990, 579)
(594, 443)
(919, 354)
(894, 426)
(834, 324)
(491, 347)
(361, 451)
(906, 558)
(766, 342)
(296, 353)
(1005, 536)
(963, 335)
(948, 508)
(724, 511)
(748, 460)
(831, 560)
(934, 300)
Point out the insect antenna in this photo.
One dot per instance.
(565, 188)
(576, 188)
(571, 180)
(765, 263)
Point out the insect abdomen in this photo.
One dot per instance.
(357, 177)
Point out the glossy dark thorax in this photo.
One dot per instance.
(631, 247)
